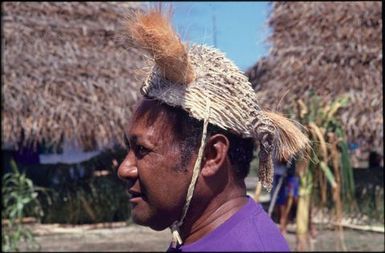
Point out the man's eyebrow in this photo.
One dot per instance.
(134, 139)
(140, 140)
(130, 138)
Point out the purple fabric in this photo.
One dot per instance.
(250, 229)
(293, 186)
(281, 197)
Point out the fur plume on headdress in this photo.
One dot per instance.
(279, 138)
(152, 31)
(290, 140)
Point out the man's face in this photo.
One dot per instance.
(156, 182)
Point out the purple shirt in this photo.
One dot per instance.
(249, 229)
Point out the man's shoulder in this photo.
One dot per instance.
(250, 229)
(259, 232)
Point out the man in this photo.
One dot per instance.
(290, 195)
(277, 196)
(191, 140)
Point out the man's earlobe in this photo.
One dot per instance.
(215, 154)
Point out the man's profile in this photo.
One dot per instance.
(191, 140)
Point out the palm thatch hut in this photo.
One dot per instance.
(64, 75)
(334, 49)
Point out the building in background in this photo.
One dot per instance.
(333, 49)
(67, 79)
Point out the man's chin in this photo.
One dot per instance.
(147, 223)
(158, 227)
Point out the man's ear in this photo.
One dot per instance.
(215, 154)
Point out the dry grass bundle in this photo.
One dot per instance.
(64, 75)
(333, 49)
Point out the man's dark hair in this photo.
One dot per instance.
(188, 131)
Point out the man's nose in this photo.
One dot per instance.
(127, 170)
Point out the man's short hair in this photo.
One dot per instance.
(188, 133)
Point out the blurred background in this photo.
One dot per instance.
(69, 84)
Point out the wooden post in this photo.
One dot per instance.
(302, 217)
(333, 140)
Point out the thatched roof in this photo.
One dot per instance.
(63, 74)
(333, 48)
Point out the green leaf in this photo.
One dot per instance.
(328, 173)
(14, 167)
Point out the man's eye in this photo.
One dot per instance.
(141, 151)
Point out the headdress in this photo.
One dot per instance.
(205, 83)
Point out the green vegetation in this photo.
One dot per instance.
(61, 193)
(78, 195)
(93, 200)
(20, 198)
(329, 155)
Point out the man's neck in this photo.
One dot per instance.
(215, 213)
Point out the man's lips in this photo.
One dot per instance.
(135, 196)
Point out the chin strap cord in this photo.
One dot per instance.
(176, 239)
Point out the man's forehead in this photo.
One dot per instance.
(148, 111)
(150, 117)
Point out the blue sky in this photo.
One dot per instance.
(241, 27)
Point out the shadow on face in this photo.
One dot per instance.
(159, 182)
(184, 131)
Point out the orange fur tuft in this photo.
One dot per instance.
(152, 31)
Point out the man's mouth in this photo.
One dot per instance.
(135, 196)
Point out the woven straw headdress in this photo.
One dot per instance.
(202, 81)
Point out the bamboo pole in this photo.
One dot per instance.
(337, 191)
(368, 228)
(302, 217)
